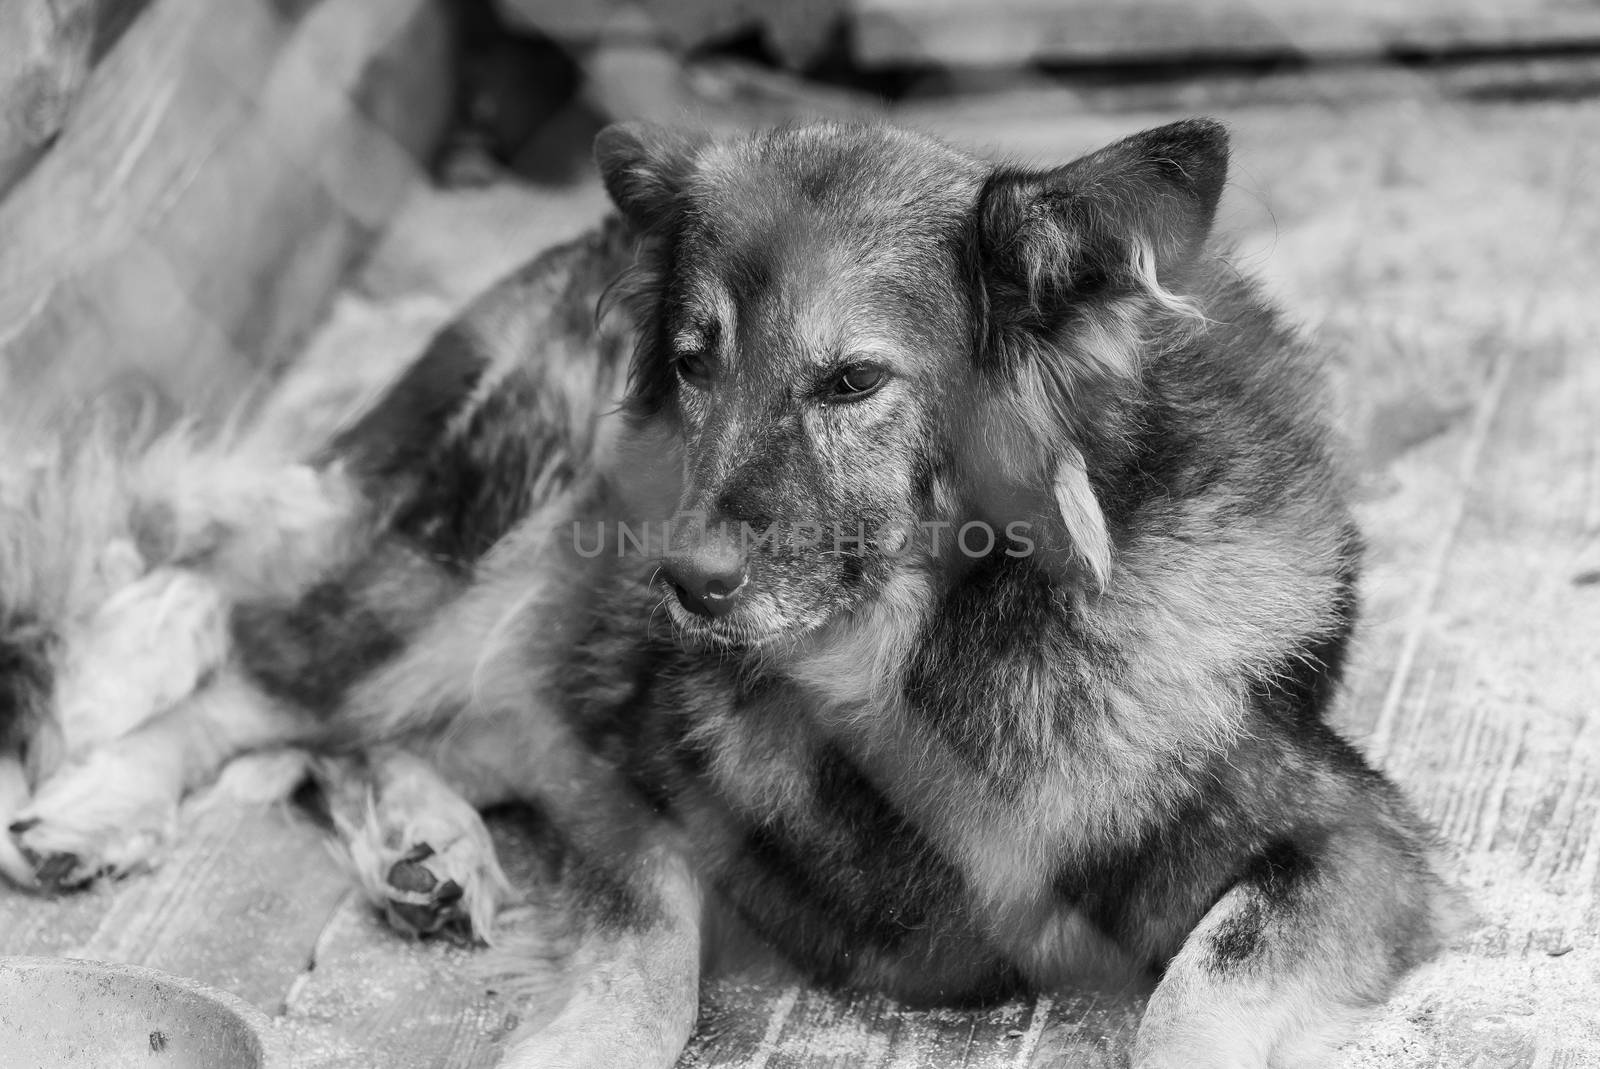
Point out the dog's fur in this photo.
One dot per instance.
(1092, 750)
(126, 537)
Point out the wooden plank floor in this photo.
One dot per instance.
(1448, 257)
(1010, 33)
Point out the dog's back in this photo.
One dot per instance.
(499, 414)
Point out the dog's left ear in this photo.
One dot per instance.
(1125, 220)
(1077, 267)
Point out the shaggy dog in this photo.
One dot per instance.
(949, 589)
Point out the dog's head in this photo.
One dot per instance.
(865, 341)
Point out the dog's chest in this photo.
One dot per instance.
(927, 770)
(795, 830)
(862, 839)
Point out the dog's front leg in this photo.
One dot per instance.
(1281, 969)
(636, 977)
(411, 828)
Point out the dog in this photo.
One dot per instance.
(948, 590)
(141, 547)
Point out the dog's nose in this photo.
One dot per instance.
(708, 580)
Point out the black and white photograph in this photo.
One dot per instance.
(799, 534)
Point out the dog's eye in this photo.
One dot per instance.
(694, 351)
(693, 366)
(857, 381)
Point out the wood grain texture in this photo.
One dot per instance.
(1015, 32)
(1529, 78)
(762, 1025)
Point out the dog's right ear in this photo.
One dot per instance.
(643, 167)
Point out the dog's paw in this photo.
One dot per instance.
(424, 856)
(95, 818)
(425, 891)
(455, 886)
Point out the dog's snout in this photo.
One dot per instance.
(708, 581)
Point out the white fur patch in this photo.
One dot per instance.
(146, 647)
(1282, 1018)
(1081, 514)
(260, 526)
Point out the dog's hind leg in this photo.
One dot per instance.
(114, 809)
(1317, 931)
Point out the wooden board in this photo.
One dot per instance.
(227, 162)
(762, 1026)
(1014, 32)
(1528, 79)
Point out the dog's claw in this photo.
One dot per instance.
(59, 872)
(443, 906)
(54, 872)
(408, 874)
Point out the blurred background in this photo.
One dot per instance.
(185, 186)
(281, 200)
